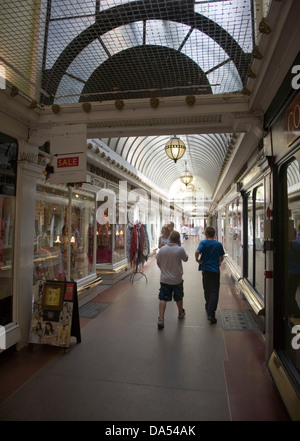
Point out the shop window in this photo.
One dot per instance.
(255, 239)
(259, 263)
(233, 231)
(60, 254)
(8, 165)
(223, 215)
(82, 234)
(7, 219)
(51, 236)
(8, 161)
(291, 236)
(111, 247)
(250, 253)
(104, 240)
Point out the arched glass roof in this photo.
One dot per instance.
(204, 156)
(107, 50)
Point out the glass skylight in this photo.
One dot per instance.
(197, 35)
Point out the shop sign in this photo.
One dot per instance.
(68, 162)
(68, 150)
(292, 121)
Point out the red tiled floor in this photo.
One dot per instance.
(249, 407)
(252, 395)
(17, 367)
(229, 299)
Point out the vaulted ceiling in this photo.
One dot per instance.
(204, 157)
(186, 60)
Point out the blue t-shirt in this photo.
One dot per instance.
(210, 252)
(294, 258)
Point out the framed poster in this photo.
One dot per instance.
(53, 296)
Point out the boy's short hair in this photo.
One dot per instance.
(210, 232)
(174, 236)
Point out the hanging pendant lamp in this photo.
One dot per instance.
(175, 148)
(186, 177)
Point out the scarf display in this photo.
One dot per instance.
(138, 245)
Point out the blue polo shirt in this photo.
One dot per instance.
(210, 252)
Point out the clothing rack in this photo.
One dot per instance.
(138, 248)
(137, 270)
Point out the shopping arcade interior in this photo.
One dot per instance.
(165, 36)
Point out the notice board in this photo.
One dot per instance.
(55, 317)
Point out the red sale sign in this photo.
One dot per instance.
(68, 162)
(68, 148)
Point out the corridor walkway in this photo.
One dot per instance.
(125, 369)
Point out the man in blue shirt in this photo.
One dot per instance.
(209, 255)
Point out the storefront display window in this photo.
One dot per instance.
(119, 248)
(259, 239)
(233, 231)
(8, 161)
(292, 263)
(50, 245)
(7, 217)
(60, 254)
(250, 220)
(111, 247)
(255, 239)
(82, 234)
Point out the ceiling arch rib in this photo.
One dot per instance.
(131, 14)
(137, 146)
(152, 149)
(165, 172)
(126, 147)
(147, 155)
(206, 44)
(212, 146)
(137, 157)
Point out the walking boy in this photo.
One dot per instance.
(209, 255)
(169, 260)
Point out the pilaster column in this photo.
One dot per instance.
(27, 174)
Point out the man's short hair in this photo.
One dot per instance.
(210, 232)
(174, 236)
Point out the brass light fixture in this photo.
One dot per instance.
(175, 148)
(187, 177)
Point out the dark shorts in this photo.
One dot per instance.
(167, 291)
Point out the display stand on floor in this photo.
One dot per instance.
(138, 248)
(55, 317)
(137, 271)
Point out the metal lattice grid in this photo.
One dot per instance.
(71, 51)
(238, 321)
(92, 309)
